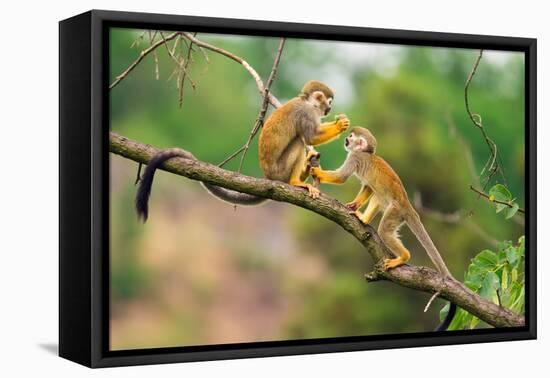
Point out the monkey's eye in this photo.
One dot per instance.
(329, 101)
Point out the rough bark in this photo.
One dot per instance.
(418, 278)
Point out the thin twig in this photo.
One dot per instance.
(436, 294)
(232, 156)
(138, 39)
(155, 56)
(265, 103)
(142, 55)
(492, 165)
(184, 75)
(484, 195)
(181, 65)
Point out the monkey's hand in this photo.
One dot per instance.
(315, 171)
(342, 123)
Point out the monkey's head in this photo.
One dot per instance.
(319, 95)
(360, 140)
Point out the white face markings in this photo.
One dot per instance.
(319, 101)
(355, 143)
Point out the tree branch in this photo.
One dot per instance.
(259, 83)
(418, 278)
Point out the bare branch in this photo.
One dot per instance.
(142, 55)
(418, 278)
(273, 101)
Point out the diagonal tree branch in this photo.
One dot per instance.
(418, 278)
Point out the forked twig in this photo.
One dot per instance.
(142, 55)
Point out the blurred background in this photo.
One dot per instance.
(201, 272)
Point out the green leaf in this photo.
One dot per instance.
(501, 193)
(504, 245)
(485, 259)
(490, 284)
(474, 322)
(514, 275)
(521, 246)
(512, 210)
(500, 207)
(504, 282)
(512, 255)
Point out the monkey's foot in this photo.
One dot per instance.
(352, 207)
(393, 263)
(312, 191)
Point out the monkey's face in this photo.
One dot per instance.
(356, 143)
(321, 102)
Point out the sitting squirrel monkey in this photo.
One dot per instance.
(283, 156)
(383, 190)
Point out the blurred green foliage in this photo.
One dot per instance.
(201, 272)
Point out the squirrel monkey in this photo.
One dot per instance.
(282, 147)
(383, 190)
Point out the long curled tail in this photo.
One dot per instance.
(146, 183)
(232, 196)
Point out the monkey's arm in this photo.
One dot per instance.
(360, 199)
(328, 131)
(338, 176)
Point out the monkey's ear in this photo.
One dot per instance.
(370, 149)
(361, 144)
(317, 95)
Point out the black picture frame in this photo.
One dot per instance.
(84, 187)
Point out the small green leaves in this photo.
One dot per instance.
(500, 193)
(512, 210)
(501, 196)
(496, 276)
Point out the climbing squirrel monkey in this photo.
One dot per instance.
(383, 190)
(282, 147)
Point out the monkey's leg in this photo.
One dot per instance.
(329, 130)
(360, 199)
(388, 231)
(371, 211)
(296, 178)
